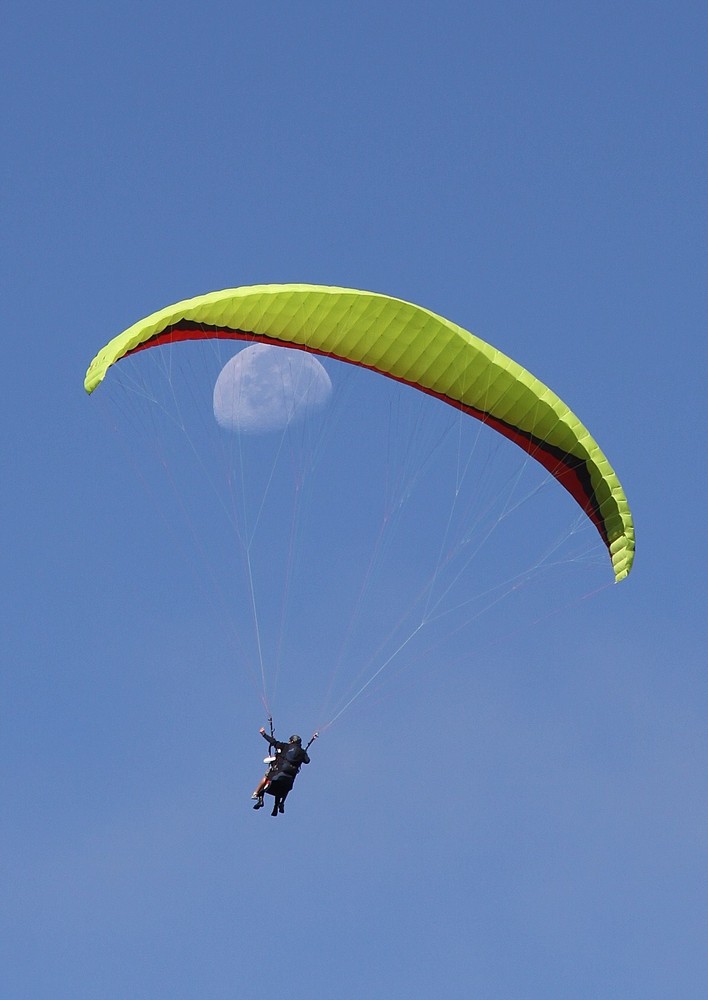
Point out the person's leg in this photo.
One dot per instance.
(263, 784)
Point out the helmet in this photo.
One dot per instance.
(295, 739)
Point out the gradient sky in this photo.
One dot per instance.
(527, 820)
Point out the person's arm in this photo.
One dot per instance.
(272, 740)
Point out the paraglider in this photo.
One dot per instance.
(284, 768)
(407, 344)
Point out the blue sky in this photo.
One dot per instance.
(524, 818)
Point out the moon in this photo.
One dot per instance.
(265, 388)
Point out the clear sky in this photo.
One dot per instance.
(518, 819)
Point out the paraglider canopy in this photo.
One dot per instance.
(410, 344)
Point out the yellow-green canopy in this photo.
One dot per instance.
(412, 345)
